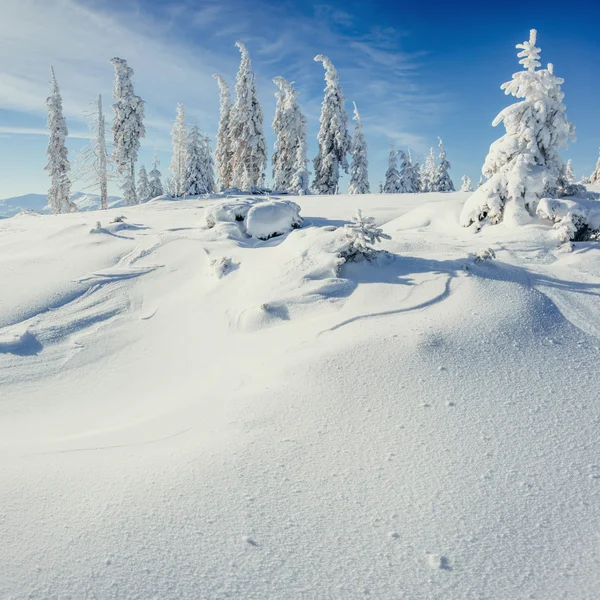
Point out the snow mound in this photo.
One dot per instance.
(256, 217)
(573, 220)
(269, 219)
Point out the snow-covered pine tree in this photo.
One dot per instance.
(381, 187)
(208, 164)
(248, 142)
(128, 127)
(300, 179)
(143, 189)
(333, 138)
(415, 172)
(467, 186)
(405, 174)
(595, 176)
(428, 173)
(359, 166)
(392, 176)
(524, 164)
(194, 180)
(179, 160)
(92, 162)
(280, 159)
(156, 186)
(223, 152)
(480, 181)
(570, 176)
(58, 156)
(443, 183)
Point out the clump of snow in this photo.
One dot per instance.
(269, 219)
(221, 266)
(256, 217)
(483, 254)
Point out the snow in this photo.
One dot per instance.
(268, 219)
(423, 426)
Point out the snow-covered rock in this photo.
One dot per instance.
(268, 219)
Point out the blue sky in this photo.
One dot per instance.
(415, 69)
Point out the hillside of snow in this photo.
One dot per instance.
(187, 412)
(9, 207)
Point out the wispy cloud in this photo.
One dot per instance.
(10, 130)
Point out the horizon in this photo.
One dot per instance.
(408, 72)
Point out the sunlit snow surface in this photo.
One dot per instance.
(190, 413)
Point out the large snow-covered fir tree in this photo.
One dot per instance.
(179, 160)
(128, 127)
(595, 176)
(156, 186)
(58, 165)
(405, 173)
(247, 139)
(223, 152)
(467, 186)
(301, 177)
(281, 160)
(415, 169)
(359, 166)
(93, 162)
(143, 186)
(392, 176)
(428, 173)
(524, 164)
(194, 180)
(333, 138)
(442, 182)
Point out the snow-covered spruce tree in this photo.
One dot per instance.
(143, 188)
(247, 139)
(480, 181)
(128, 127)
(359, 166)
(428, 173)
(208, 165)
(280, 159)
(595, 176)
(223, 152)
(359, 238)
(179, 160)
(569, 175)
(92, 161)
(194, 180)
(333, 138)
(442, 182)
(392, 176)
(410, 180)
(300, 180)
(58, 156)
(467, 186)
(524, 164)
(156, 186)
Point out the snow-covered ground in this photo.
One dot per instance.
(188, 413)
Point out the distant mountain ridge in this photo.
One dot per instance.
(9, 207)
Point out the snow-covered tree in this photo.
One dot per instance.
(380, 187)
(128, 127)
(208, 163)
(194, 180)
(333, 138)
(595, 176)
(247, 139)
(156, 187)
(224, 152)
(428, 173)
(524, 164)
(300, 179)
(392, 176)
(405, 173)
(93, 163)
(290, 128)
(179, 138)
(480, 181)
(58, 165)
(359, 238)
(143, 186)
(415, 171)
(359, 176)
(442, 182)
(467, 186)
(569, 175)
